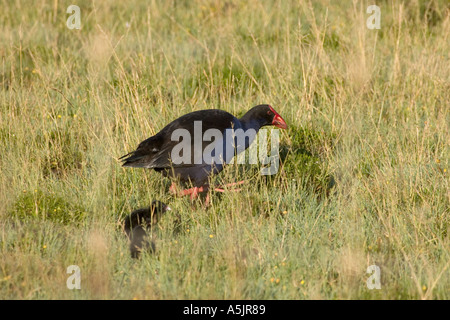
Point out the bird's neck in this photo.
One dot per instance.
(248, 122)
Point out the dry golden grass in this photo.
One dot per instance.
(367, 109)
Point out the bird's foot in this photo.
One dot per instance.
(173, 189)
(195, 191)
(226, 187)
(192, 192)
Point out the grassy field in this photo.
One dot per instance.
(365, 167)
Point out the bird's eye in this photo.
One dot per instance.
(269, 112)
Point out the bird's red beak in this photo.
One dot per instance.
(278, 121)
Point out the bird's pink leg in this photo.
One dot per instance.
(206, 200)
(193, 192)
(235, 183)
(230, 185)
(173, 188)
(225, 190)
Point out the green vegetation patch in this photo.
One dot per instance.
(40, 205)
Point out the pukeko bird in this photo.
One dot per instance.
(158, 151)
(139, 222)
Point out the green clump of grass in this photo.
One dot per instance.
(332, 41)
(303, 159)
(46, 206)
(311, 171)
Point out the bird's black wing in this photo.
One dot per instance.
(155, 152)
